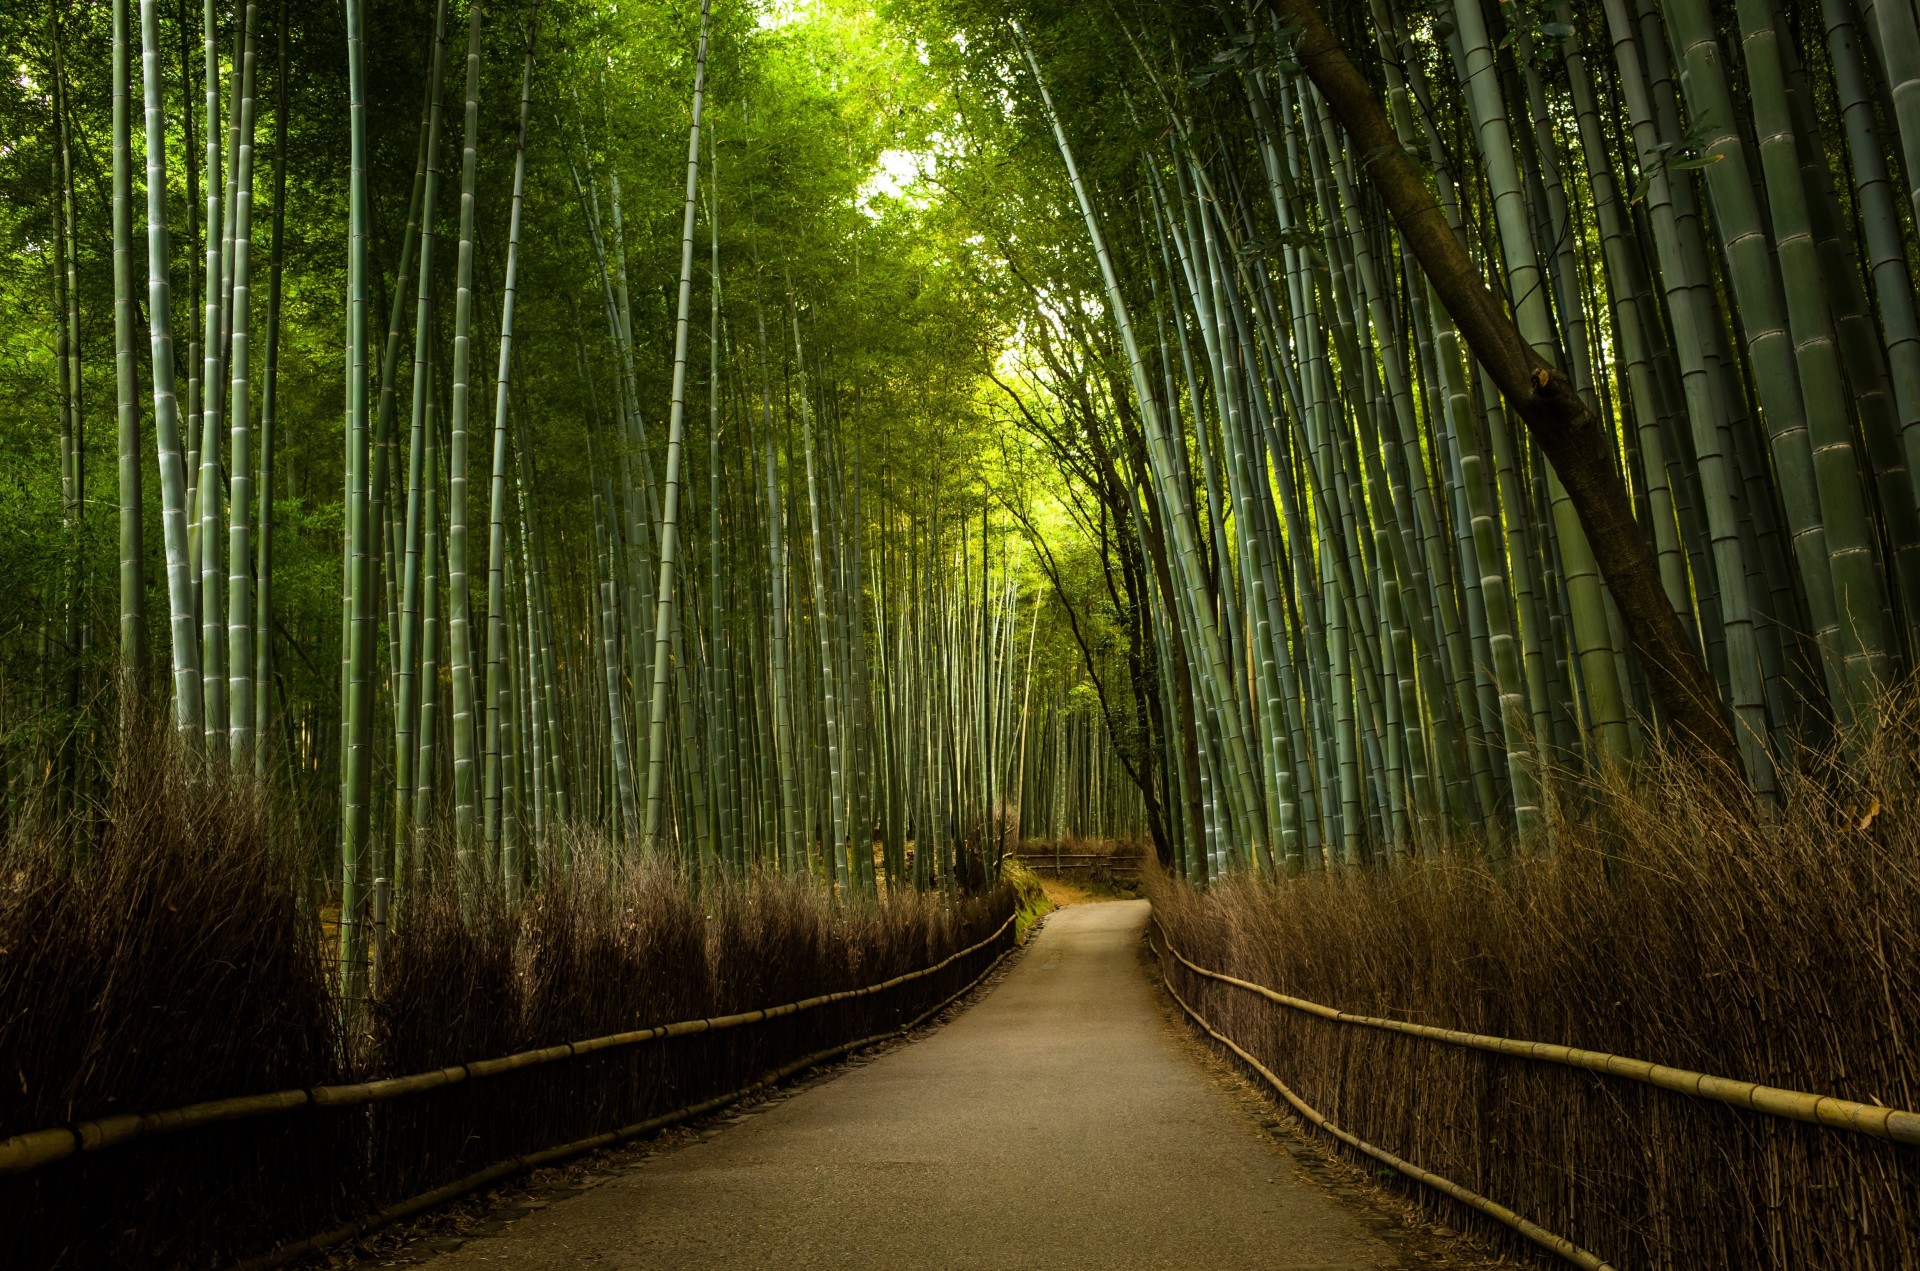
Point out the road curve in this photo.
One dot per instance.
(1057, 1123)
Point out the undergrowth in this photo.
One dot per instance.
(1030, 897)
(163, 952)
(1659, 925)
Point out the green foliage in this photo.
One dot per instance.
(850, 188)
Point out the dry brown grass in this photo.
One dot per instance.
(181, 959)
(1786, 953)
(175, 963)
(593, 954)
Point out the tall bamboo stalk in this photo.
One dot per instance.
(676, 428)
(269, 417)
(133, 587)
(206, 490)
(240, 615)
(357, 708)
(460, 603)
(166, 407)
(498, 666)
(407, 681)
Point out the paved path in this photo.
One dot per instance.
(1058, 1123)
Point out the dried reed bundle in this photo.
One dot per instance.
(180, 961)
(1666, 929)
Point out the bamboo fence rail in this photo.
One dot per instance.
(1894, 1124)
(24, 1152)
(566, 1151)
(1550, 1241)
(1078, 860)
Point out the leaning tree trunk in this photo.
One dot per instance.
(1558, 421)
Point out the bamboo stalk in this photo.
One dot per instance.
(187, 685)
(664, 614)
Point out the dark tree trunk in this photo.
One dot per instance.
(1556, 419)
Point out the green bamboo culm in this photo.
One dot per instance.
(459, 586)
(187, 684)
(240, 615)
(206, 490)
(357, 709)
(722, 749)
(407, 677)
(269, 417)
(676, 428)
(500, 835)
(1754, 279)
(1241, 792)
(133, 587)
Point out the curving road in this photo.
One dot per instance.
(1059, 1122)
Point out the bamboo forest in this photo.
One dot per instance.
(934, 633)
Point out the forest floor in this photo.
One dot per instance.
(1061, 892)
(1067, 1120)
(1081, 890)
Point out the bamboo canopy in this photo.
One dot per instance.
(1303, 440)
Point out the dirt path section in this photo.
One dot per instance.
(1057, 1123)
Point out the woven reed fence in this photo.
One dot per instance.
(756, 991)
(1595, 1159)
